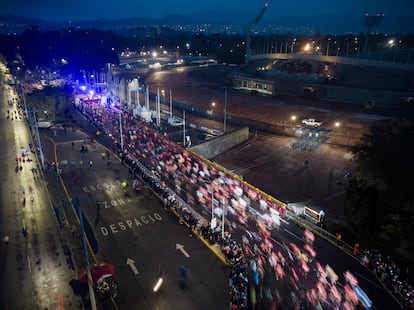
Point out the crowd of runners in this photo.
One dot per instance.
(264, 275)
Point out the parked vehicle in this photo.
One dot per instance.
(175, 121)
(311, 122)
(44, 124)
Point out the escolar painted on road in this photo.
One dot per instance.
(107, 186)
(130, 224)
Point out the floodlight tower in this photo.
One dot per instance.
(249, 34)
(369, 22)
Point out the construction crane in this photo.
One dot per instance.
(249, 34)
(369, 22)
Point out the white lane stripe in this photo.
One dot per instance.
(28, 264)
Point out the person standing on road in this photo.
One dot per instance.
(73, 230)
(6, 240)
(183, 272)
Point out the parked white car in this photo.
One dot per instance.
(44, 124)
(175, 121)
(311, 122)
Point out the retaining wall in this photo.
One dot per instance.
(221, 144)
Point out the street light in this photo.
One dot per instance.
(225, 111)
(120, 130)
(213, 104)
(36, 128)
(222, 200)
(293, 119)
(213, 220)
(307, 48)
(223, 211)
(162, 95)
(337, 125)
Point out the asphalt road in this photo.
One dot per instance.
(131, 226)
(269, 162)
(34, 269)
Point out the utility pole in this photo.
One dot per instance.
(120, 130)
(36, 128)
(171, 111)
(212, 206)
(225, 111)
(24, 101)
(184, 128)
(158, 107)
(223, 216)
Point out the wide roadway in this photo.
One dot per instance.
(136, 227)
(134, 232)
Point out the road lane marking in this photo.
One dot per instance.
(131, 263)
(180, 247)
(28, 264)
(292, 234)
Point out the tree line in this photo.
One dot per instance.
(379, 202)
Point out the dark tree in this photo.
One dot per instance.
(379, 201)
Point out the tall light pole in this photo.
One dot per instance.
(225, 111)
(213, 104)
(184, 128)
(213, 220)
(327, 47)
(158, 108)
(223, 211)
(171, 111)
(24, 102)
(337, 125)
(120, 130)
(42, 158)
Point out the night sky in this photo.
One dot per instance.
(64, 10)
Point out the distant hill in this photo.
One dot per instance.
(10, 23)
(333, 23)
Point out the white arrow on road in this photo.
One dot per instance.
(181, 248)
(131, 263)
